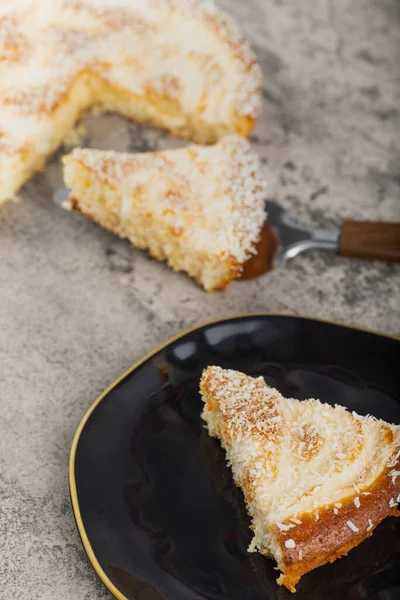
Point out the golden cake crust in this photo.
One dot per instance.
(328, 538)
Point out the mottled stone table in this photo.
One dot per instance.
(78, 306)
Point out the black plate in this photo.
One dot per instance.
(158, 513)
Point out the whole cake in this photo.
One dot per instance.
(182, 65)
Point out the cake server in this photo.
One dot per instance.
(283, 239)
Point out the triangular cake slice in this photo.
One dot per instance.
(201, 208)
(317, 479)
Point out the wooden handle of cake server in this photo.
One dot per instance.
(365, 239)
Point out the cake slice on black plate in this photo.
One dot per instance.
(317, 479)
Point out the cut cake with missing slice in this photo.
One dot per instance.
(182, 65)
(317, 479)
(201, 208)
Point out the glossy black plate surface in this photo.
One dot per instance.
(158, 513)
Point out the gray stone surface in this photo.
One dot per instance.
(78, 306)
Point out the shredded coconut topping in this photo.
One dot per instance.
(352, 526)
(394, 460)
(253, 545)
(394, 475)
(286, 527)
(290, 544)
